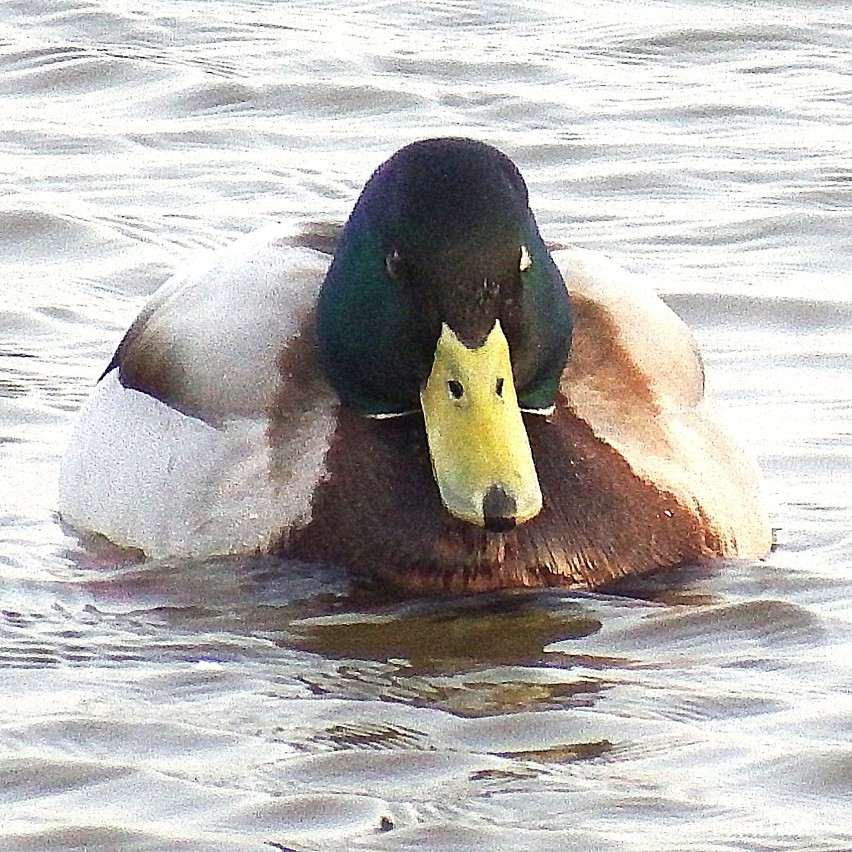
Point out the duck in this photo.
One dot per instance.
(436, 399)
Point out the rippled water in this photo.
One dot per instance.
(254, 705)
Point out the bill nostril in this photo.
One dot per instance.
(498, 510)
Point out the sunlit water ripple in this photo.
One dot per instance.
(253, 705)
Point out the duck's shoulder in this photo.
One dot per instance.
(629, 347)
(211, 341)
(636, 378)
(207, 433)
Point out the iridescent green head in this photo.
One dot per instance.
(441, 256)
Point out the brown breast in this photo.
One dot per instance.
(378, 512)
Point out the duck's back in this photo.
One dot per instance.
(214, 432)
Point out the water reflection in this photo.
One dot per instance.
(470, 657)
(445, 636)
(476, 655)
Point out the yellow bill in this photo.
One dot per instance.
(480, 451)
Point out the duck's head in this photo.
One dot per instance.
(442, 297)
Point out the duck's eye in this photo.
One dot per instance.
(498, 388)
(526, 260)
(455, 389)
(394, 265)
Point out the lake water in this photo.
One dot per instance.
(251, 705)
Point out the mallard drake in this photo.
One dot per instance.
(445, 404)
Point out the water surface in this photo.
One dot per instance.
(251, 704)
